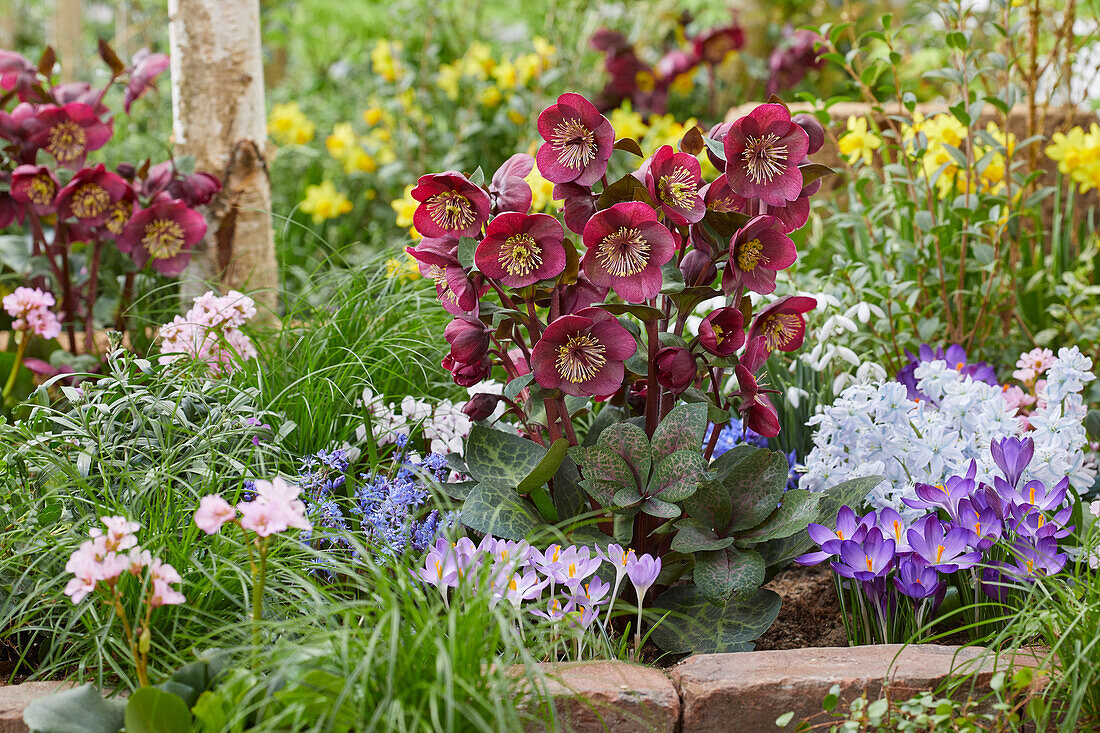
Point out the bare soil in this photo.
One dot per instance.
(810, 614)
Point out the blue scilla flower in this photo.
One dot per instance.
(389, 507)
(734, 433)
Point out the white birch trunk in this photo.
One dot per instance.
(68, 30)
(219, 118)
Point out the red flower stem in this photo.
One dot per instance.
(39, 239)
(535, 326)
(653, 390)
(508, 302)
(552, 419)
(66, 287)
(566, 421)
(93, 284)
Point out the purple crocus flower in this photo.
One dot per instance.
(865, 560)
(1012, 455)
(1033, 560)
(1027, 522)
(946, 552)
(985, 528)
(996, 583)
(894, 527)
(848, 527)
(643, 572)
(955, 356)
(947, 495)
(554, 610)
(1036, 494)
(574, 566)
(916, 579)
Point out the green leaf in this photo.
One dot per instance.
(627, 497)
(671, 278)
(723, 574)
(1092, 425)
(498, 511)
(627, 188)
(694, 624)
(79, 710)
(546, 468)
(465, 253)
(645, 313)
(150, 710)
(715, 414)
(608, 415)
(514, 387)
(755, 486)
(603, 464)
(682, 429)
(569, 498)
(715, 147)
(630, 442)
(657, 508)
(691, 538)
(799, 508)
(478, 177)
(709, 505)
(629, 145)
(813, 172)
(678, 476)
(501, 459)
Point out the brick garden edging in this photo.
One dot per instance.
(706, 693)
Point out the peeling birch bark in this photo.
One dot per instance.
(219, 118)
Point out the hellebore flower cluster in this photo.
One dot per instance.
(596, 304)
(996, 536)
(557, 584)
(47, 185)
(647, 86)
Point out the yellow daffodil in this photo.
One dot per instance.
(360, 161)
(384, 61)
(405, 207)
(372, 115)
(683, 83)
(505, 75)
(627, 122)
(528, 68)
(516, 117)
(447, 80)
(403, 269)
(543, 48)
(342, 142)
(859, 143)
(489, 97)
(289, 125)
(324, 202)
(478, 61)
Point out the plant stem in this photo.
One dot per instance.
(19, 353)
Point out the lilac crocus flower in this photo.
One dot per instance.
(946, 552)
(643, 572)
(996, 583)
(955, 356)
(984, 526)
(619, 558)
(554, 610)
(1012, 455)
(916, 578)
(1027, 522)
(871, 558)
(1035, 494)
(591, 594)
(574, 566)
(946, 496)
(1039, 559)
(848, 527)
(517, 588)
(440, 567)
(894, 527)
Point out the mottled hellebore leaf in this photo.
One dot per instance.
(692, 538)
(498, 511)
(723, 574)
(630, 145)
(694, 624)
(678, 476)
(630, 443)
(755, 486)
(499, 458)
(682, 429)
(657, 508)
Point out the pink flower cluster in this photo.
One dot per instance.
(31, 310)
(109, 554)
(211, 332)
(275, 508)
(1029, 368)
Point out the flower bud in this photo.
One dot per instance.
(697, 268)
(468, 337)
(481, 406)
(722, 332)
(467, 375)
(675, 368)
(126, 170)
(813, 129)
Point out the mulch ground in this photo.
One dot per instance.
(810, 614)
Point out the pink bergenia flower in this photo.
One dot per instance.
(674, 180)
(626, 248)
(579, 141)
(163, 577)
(163, 234)
(763, 150)
(276, 508)
(522, 249)
(583, 353)
(119, 535)
(1033, 363)
(757, 252)
(450, 206)
(30, 311)
(213, 513)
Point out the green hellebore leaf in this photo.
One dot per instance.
(630, 443)
(644, 313)
(498, 511)
(627, 188)
(814, 171)
(546, 468)
(627, 498)
(755, 486)
(678, 476)
(603, 464)
(671, 278)
(682, 429)
(514, 387)
(709, 506)
(150, 710)
(722, 574)
(799, 508)
(694, 624)
(692, 538)
(715, 414)
(499, 458)
(716, 147)
(629, 145)
(657, 508)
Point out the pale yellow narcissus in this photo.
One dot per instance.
(289, 125)
(859, 143)
(405, 207)
(324, 202)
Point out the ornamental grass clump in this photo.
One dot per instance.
(586, 318)
(985, 542)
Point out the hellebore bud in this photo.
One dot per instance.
(697, 268)
(813, 129)
(675, 368)
(481, 406)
